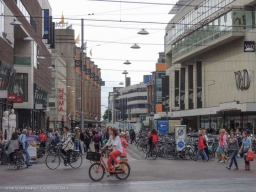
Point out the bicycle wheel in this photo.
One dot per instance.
(154, 153)
(96, 172)
(3, 158)
(139, 147)
(76, 159)
(52, 161)
(124, 174)
(171, 154)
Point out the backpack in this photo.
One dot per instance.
(150, 140)
(96, 140)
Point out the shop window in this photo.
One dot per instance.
(21, 85)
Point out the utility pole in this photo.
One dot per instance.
(82, 75)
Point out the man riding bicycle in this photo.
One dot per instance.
(67, 144)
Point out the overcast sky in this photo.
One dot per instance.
(111, 56)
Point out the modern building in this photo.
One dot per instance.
(155, 97)
(30, 38)
(210, 58)
(130, 103)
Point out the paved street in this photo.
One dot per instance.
(146, 175)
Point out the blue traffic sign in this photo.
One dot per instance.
(163, 126)
(180, 144)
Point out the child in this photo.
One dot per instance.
(96, 140)
(124, 143)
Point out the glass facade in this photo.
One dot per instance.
(21, 85)
(201, 12)
(158, 86)
(231, 22)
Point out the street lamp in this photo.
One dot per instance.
(135, 46)
(121, 83)
(143, 32)
(15, 22)
(28, 39)
(127, 62)
(125, 73)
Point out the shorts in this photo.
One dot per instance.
(221, 150)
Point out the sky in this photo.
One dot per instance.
(110, 42)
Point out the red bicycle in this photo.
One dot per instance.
(98, 168)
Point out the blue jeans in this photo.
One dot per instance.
(27, 157)
(204, 154)
(76, 145)
(233, 158)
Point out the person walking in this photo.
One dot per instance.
(23, 139)
(56, 138)
(246, 146)
(76, 139)
(133, 136)
(205, 141)
(222, 145)
(87, 140)
(81, 141)
(97, 141)
(42, 138)
(233, 148)
(200, 147)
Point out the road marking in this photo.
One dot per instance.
(130, 151)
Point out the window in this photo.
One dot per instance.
(53, 83)
(51, 104)
(21, 85)
(35, 51)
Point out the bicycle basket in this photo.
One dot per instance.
(93, 156)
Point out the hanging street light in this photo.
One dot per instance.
(127, 62)
(135, 46)
(15, 22)
(143, 32)
(121, 83)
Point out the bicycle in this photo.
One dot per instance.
(53, 159)
(98, 168)
(3, 154)
(19, 158)
(153, 152)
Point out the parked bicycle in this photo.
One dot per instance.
(53, 159)
(98, 168)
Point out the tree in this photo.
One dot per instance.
(107, 114)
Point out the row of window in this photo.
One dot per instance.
(137, 98)
(233, 21)
(205, 9)
(144, 89)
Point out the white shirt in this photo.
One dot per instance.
(117, 143)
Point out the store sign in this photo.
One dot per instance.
(177, 88)
(46, 23)
(249, 46)
(61, 99)
(182, 88)
(11, 97)
(199, 84)
(243, 79)
(19, 99)
(229, 109)
(190, 87)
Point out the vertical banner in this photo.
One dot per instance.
(46, 24)
(190, 87)
(182, 88)
(177, 88)
(199, 84)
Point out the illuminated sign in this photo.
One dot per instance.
(61, 99)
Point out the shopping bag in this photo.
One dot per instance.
(249, 156)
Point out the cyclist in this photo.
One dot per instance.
(67, 144)
(115, 143)
(152, 139)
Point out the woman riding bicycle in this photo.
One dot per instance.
(152, 140)
(115, 143)
(67, 144)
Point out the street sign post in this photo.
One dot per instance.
(163, 126)
(180, 135)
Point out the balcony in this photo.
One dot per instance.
(20, 60)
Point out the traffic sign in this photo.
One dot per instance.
(163, 126)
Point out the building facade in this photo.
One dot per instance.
(130, 103)
(31, 58)
(210, 56)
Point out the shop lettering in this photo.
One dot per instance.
(243, 79)
(61, 101)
